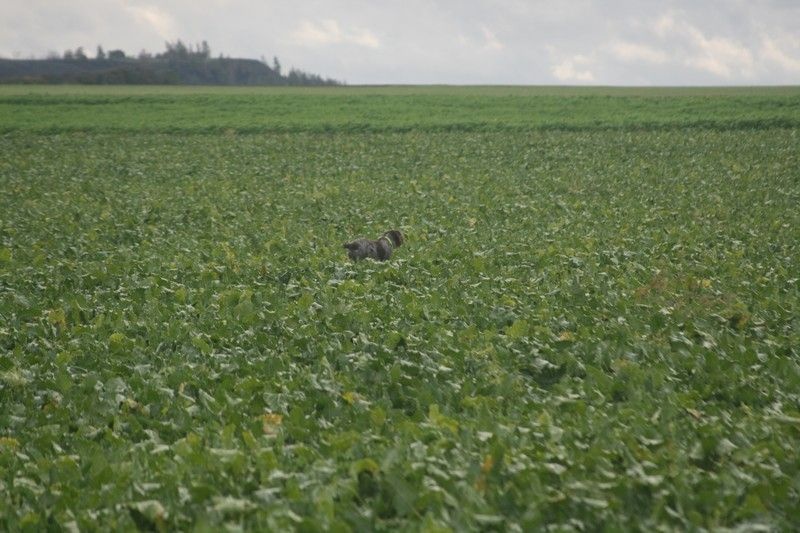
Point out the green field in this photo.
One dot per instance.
(54, 109)
(594, 322)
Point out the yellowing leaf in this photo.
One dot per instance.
(350, 397)
(695, 413)
(271, 423)
(9, 442)
(488, 464)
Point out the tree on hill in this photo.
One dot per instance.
(181, 51)
(179, 63)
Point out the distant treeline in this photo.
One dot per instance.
(179, 64)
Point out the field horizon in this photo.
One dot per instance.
(184, 109)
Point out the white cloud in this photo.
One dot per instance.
(719, 56)
(773, 52)
(486, 41)
(329, 31)
(716, 55)
(633, 52)
(491, 41)
(664, 25)
(156, 18)
(573, 69)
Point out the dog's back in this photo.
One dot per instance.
(359, 248)
(380, 249)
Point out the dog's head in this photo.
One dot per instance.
(395, 236)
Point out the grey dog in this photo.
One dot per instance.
(379, 249)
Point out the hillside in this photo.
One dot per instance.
(178, 65)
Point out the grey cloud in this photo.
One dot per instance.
(677, 42)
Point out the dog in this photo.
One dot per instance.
(379, 250)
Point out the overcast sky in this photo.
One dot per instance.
(628, 42)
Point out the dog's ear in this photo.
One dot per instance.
(395, 236)
(351, 245)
